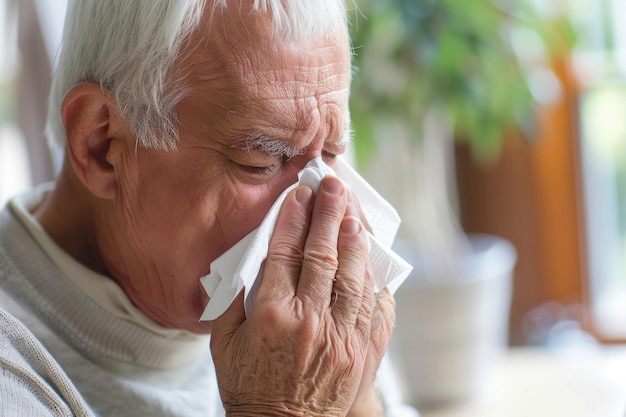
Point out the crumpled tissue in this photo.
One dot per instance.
(241, 266)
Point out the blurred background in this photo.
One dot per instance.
(498, 130)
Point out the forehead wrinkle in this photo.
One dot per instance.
(280, 98)
(309, 76)
(274, 87)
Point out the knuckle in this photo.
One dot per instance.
(350, 283)
(386, 304)
(363, 324)
(289, 241)
(285, 253)
(325, 259)
(273, 315)
(384, 313)
(332, 208)
(347, 308)
(331, 213)
(383, 320)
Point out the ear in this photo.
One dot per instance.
(92, 124)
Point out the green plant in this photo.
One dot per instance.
(455, 55)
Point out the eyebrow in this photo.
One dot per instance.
(278, 147)
(269, 145)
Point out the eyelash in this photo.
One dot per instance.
(329, 155)
(269, 170)
(263, 171)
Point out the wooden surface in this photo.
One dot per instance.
(533, 382)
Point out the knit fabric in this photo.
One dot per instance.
(64, 353)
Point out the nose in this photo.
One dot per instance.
(288, 175)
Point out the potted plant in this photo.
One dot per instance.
(427, 73)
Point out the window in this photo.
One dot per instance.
(14, 172)
(26, 50)
(603, 145)
(602, 122)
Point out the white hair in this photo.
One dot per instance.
(129, 47)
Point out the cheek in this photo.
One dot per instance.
(249, 205)
(196, 215)
(246, 211)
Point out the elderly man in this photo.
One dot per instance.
(182, 122)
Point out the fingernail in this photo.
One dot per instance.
(333, 186)
(303, 196)
(350, 225)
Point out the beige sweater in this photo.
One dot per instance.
(64, 353)
(72, 345)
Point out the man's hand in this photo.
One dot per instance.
(316, 334)
(368, 402)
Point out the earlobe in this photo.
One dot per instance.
(91, 125)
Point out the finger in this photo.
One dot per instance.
(319, 263)
(363, 325)
(351, 272)
(284, 259)
(385, 311)
(355, 205)
(383, 320)
(349, 261)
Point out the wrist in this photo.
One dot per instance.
(368, 403)
(281, 410)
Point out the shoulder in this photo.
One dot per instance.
(31, 382)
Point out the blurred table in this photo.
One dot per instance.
(587, 381)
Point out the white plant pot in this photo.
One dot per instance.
(450, 331)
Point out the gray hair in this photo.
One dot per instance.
(129, 47)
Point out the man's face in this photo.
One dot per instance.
(178, 211)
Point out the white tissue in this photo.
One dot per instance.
(240, 267)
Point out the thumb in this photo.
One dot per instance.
(228, 322)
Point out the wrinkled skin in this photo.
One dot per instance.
(154, 220)
(317, 328)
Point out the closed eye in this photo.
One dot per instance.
(260, 170)
(329, 155)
